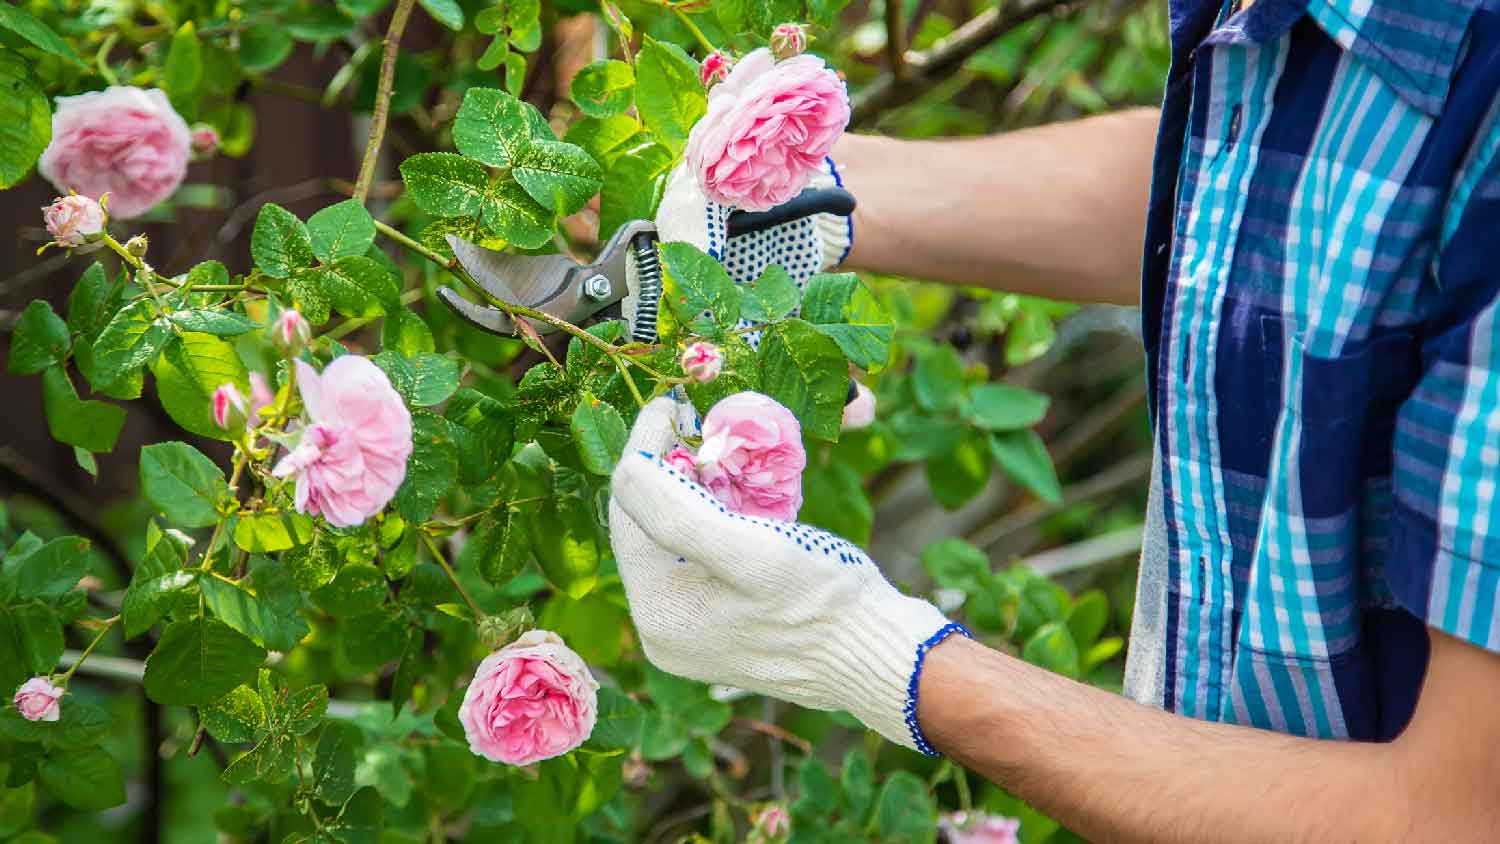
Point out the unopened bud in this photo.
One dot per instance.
(137, 246)
(74, 220)
(230, 408)
(788, 39)
(204, 139)
(702, 362)
(715, 67)
(290, 332)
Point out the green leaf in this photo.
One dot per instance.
(857, 781)
(444, 184)
(25, 116)
(305, 709)
(938, 379)
(280, 242)
(1052, 647)
(958, 475)
(92, 303)
(132, 339)
(186, 376)
(89, 425)
(309, 293)
(1002, 407)
(696, 283)
(490, 127)
(333, 763)
(1086, 619)
(49, 570)
(668, 95)
(619, 722)
(424, 379)
(213, 321)
(1024, 457)
(87, 778)
(198, 661)
(357, 286)
(500, 545)
(866, 346)
(604, 88)
(359, 588)
(954, 563)
(314, 564)
(38, 34)
(833, 498)
(566, 535)
(446, 12)
(804, 370)
(842, 308)
(263, 46)
(183, 71)
(904, 812)
(633, 187)
(561, 177)
(606, 139)
(599, 434)
(236, 717)
(271, 760)
(341, 230)
(431, 470)
(182, 483)
(818, 793)
(515, 215)
(271, 614)
(38, 340)
(158, 581)
(40, 636)
(405, 333)
(770, 297)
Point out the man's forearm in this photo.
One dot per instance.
(1056, 211)
(1116, 771)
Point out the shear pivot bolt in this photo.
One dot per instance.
(597, 287)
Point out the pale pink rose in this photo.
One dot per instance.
(124, 141)
(768, 127)
(702, 362)
(73, 219)
(682, 460)
(771, 825)
(715, 67)
(787, 40)
(531, 700)
(291, 332)
(752, 456)
(978, 828)
(230, 408)
(205, 139)
(261, 394)
(351, 458)
(860, 412)
(38, 700)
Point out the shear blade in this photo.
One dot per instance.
(530, 280)
(490, 319)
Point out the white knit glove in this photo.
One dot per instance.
(778, 608)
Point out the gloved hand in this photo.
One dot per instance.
(778, 608)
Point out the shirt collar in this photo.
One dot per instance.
(1413, 45)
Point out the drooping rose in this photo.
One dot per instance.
(38, 700)
(682, 460)
(352, 454)
(768, 127)
(261, 395)
(205, 140)
(702, 362)
(531, 700)
(290, 332)
(230, 408)
(73, 219)
(788, 39)
(752, 456)
(860, 412)
(715, 67)
(978, 828)
(124, 141)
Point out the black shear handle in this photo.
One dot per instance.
(805, 204)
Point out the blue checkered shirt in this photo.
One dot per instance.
(1323, 343)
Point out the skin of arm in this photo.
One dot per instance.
(1116, 771)
(1056, 211)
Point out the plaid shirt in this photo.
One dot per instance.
(1323, 342)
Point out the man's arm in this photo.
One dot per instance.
(1116, 771)
(1056, 211)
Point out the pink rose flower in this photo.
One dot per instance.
(715, 67)
(771, 824)
(682, 460)
(73, 219)
(126, 142)
(352, 455)
(531, 700)
(860, 412)
(768, 127)
(38, 700)
(978, 828)
(261, 394)
(230, 408)
(702, 362)
(752, 456)
(205, 140)
(787, 40)
(291, 332)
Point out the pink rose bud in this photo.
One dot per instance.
(752, 456)
(38, 700)
(788, 39)
(702, 362)
(230, 408)
(860, 412)
(124, 141)
(714, 69)
(531, 700)
(205, 140)
(771, 825)
(290, 332)
(682, 460)
(768, 128)
(261, 394)
(73, 220)
(352, 454)
(979, 828)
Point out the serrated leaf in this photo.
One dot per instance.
(38, 34)
(357, 286)
(633, 187)
(38, 339)
(431, 470)
(491, 127)
(341, 230)
(334, 762)
(514, 215)
(500, 545)
(961, 473)
(603, 88)
(668, 95)
(904, 811)
(158, 581)
(213, 321)
(182, 483)
(599, 433)
(358, 589)
(606, 139)
(804, 370)
(312, 565)
(561, 177)
(770, 297)
(696, 283)
(186, 376)
(309, 294)
(263, 46)
(88, 778)
(446, 12)
(1024, 457)
(1002, 407)
(182, 72)
(92, 303)
(90, 425)
(444, 184)
(132, 339)
(198, 661)
(271, 615)
(280, 242)
(938, 379)
(49, 570)
(236, 717)
(25, 116)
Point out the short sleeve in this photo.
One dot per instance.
(1443, 562)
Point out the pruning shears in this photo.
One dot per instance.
(577, 292)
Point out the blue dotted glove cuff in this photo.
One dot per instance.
(933, 641)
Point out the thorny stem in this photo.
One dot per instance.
(382, 99)
(98, 637)
(437, 554)
(707, 45)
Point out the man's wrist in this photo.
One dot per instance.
(959, 698)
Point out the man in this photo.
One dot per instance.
(1322, 558)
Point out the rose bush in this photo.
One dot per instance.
(327, 618)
